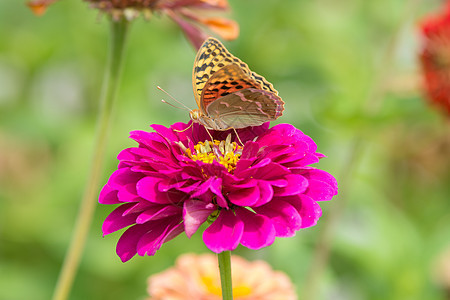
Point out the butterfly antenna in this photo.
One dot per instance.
(164, 101)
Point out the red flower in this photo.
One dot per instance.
(435, 58)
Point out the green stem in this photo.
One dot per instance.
(111, 80)
(225, 274)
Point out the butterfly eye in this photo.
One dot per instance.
(194, 114)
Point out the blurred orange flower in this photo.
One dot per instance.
(39, 7)
(441, 270)
(188, 14)
(197, 277)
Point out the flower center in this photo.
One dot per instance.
(213, 287)
(224, 152)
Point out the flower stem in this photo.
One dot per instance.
(225, 274)
(111, 80)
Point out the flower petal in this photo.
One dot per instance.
(147, 188)
(152, 240)
(195, 213)
(126, 246)
(108, 195)
(156, 212)
(193, 33)
(307, 208)
(225, 233)
(283, 215)
(226, 28)
(123, 176)
(245, 196)
(321, 190)
(259, 231)
(116, 220)
(296, 184)
(319, 175)
(39, 7)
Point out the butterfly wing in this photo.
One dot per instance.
(247, 107)
(226, 80)
(212, 57)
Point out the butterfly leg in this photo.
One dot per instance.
(237, 135)
(184, 129)
(212, 139)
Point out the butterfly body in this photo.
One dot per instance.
(228, 94)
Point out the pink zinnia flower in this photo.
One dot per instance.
(177, 179)
(435, 58)
(197, 277)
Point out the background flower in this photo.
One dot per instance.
(435, 58)
(197, 277)
(176, 179)
(191, 15)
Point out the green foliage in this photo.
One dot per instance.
(327, 59)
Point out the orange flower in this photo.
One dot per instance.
(197, 277)
(39, 7)
(188, 14)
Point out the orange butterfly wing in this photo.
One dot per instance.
(212, 57)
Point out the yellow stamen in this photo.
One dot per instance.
(224, 152)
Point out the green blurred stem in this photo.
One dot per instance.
(111, 80)
(325, 239)
(225, 274)
(371, 107)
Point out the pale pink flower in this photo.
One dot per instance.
(197, 277)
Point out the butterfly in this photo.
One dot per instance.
(228, 94)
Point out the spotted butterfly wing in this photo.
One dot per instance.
(228, 93)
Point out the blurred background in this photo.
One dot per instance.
(348, 72)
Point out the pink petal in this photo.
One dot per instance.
(320, 190)
(265, 193)
(158, 212)
(316, 174)
(108, 195)
(195, 213)
(244, 196)
(128, 193)
(138, 207)
(150, 139)
(283, 215)
(126, 246)
(151, 241)
(296, 184)
(115, 220)
(147, 188)
(211, 187)
(307, 208)
(225, 233)
(123, 176)
(259, 231)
